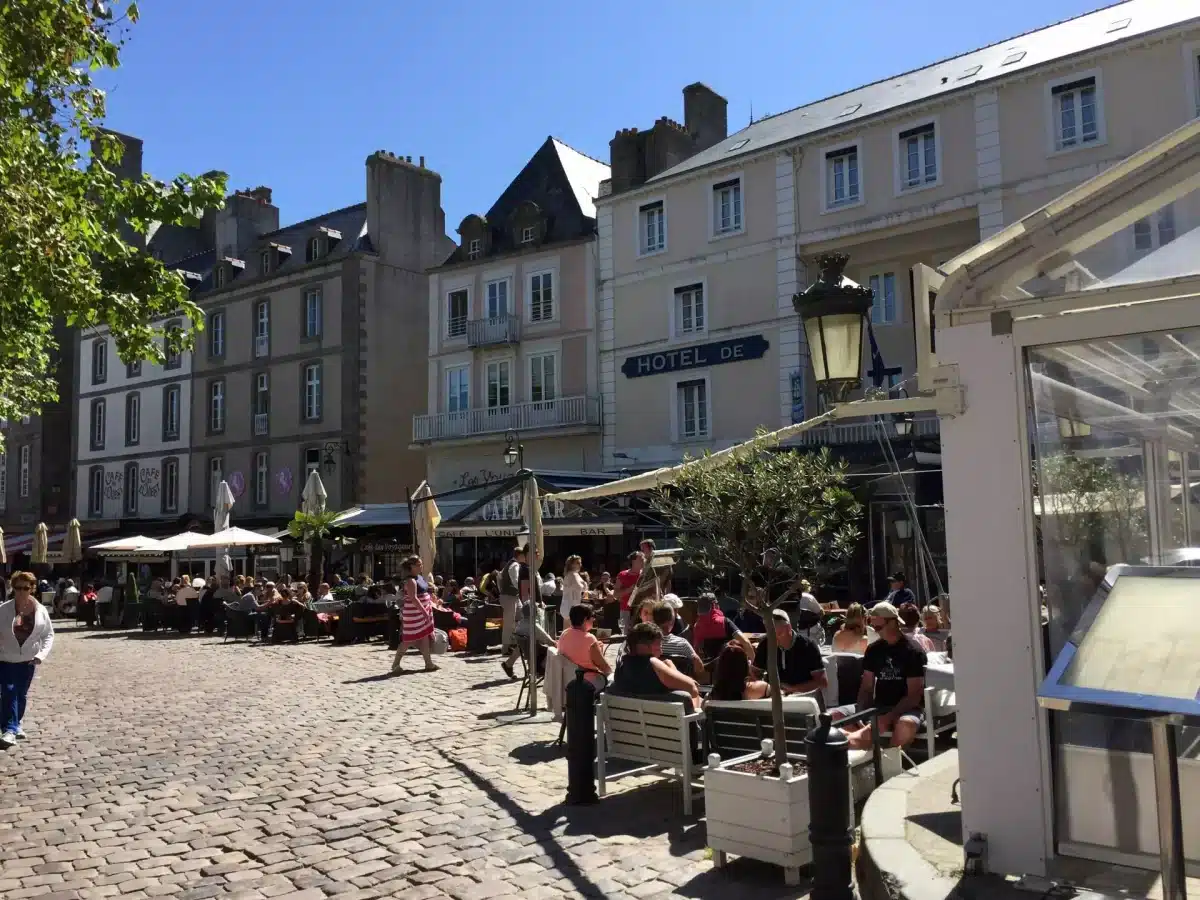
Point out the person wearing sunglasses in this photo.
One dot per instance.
(26, 637)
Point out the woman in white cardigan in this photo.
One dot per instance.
(26, 636)
(574, 588)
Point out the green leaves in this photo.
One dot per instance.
(63, 257)
(307, 527)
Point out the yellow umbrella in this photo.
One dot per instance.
(3, 553)
(426, 518)
(38, 556)
(72, 548)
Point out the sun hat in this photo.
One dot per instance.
(673, 601)
(884, 610)
(197, 583)
(781, 615)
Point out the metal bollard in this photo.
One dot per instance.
(581, 742)
(830, 828)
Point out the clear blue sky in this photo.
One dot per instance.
(295, 95)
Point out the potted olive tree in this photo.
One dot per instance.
(729, 512)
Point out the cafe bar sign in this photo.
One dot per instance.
(696, 357)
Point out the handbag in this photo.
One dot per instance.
(458, 639)
(440, 643)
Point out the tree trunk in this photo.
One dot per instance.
(315, 562)
(776, 694)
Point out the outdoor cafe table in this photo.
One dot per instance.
(940, 675)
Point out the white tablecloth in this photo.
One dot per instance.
(940, 675)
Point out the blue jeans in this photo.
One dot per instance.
(15, 679)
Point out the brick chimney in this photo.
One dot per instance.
(705, 115)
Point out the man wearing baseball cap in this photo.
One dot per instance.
(893, 680)
(800, 667)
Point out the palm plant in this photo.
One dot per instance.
(312, 529)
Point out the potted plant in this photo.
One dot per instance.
(312, 528)
(729, 512)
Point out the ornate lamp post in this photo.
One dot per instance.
(514, 453)
(832, 310)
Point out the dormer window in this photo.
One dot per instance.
(474, 248)
(332, 238)
(226, 270)
(264, 262)
(219, 276)
(528, 234)
(312, 249)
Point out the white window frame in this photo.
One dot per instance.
(1050, 100)
(714, 230)
(215, 402)
(552, 272)
(312, 408)
(474, 248)
(450, 334)
(509, 300)
(837, 149)
(556, 386)
(98, 424)
(487, 365)
(315, 333)
(95, 492)
(528, 235)
(900, 157)
(25, 463)
(216, 333)
(169, 433)
(675, 311)
(219, 275)
(312, 249)
(1152, 227)
(99, 361)
(262, 325)
(1191, 62)
(882, 318)
(262, 478)
(641, 206)
(676, 383)
(264, 262)
(133, 418)
(311, 465)
(262, 389)
(216, 474)
(170, 485)
(129, 488)
(452, 372)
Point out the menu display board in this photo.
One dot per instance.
(1136, 649)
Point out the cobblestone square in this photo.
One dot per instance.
(166, 766)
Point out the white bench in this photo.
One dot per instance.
(655, 732)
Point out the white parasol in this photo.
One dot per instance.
(231, 537)
(222, 507)
(313, 497)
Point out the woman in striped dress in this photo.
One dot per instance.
(417, 615)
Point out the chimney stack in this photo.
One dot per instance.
(705, 115)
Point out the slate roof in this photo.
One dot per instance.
(1109, 25)
(174, 242)
(560, 180)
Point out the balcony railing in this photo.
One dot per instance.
(864, 433)
(493, 330)
(261, 423)
(262, 345)
(565, 412)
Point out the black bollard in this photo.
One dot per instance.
(830, 816)
(581, 742)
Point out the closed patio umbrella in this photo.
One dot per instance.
(426, 518)
(222, 507)
(314, 497)
(3, 552)
(72, 548)
(38, 555)
(533, 518)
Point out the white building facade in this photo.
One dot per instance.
(133, 433)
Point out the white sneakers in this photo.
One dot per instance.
(20, 734)
(8, 739)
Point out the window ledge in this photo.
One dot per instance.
(722, 235)
(650, 253)
(841, 207)
(918, 188)
(1075, 148)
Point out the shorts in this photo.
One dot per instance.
(916, 716)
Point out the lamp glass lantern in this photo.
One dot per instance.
(510, 455)
(904, 424)
(513, 449)
(833, 310)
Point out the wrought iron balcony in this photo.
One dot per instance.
(262, 345)
(493, 330)
(565, 412)
(261, 423)
(864, 433)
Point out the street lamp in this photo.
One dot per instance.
(832, 310)
(904, 423)
(330, 451)
(514, 453)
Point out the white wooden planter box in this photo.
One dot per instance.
(759, 816)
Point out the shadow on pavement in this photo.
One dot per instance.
(495, 682)
(741, 875)
(382, 676)
(537, 753)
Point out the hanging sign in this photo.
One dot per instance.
(679, 359)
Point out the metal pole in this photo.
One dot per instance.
(534, 593)
(830, 823)
(1170, 821)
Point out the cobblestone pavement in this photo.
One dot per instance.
(161, 766)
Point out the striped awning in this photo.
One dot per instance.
(23, 543)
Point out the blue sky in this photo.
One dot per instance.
(295, 95)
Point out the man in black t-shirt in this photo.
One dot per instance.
(893, 680)
(800, 667)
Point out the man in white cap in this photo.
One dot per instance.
(893, 680)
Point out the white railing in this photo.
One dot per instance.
(262, 345)
(563, 412)
(495, 330)
(261, 423)
(864, 433)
